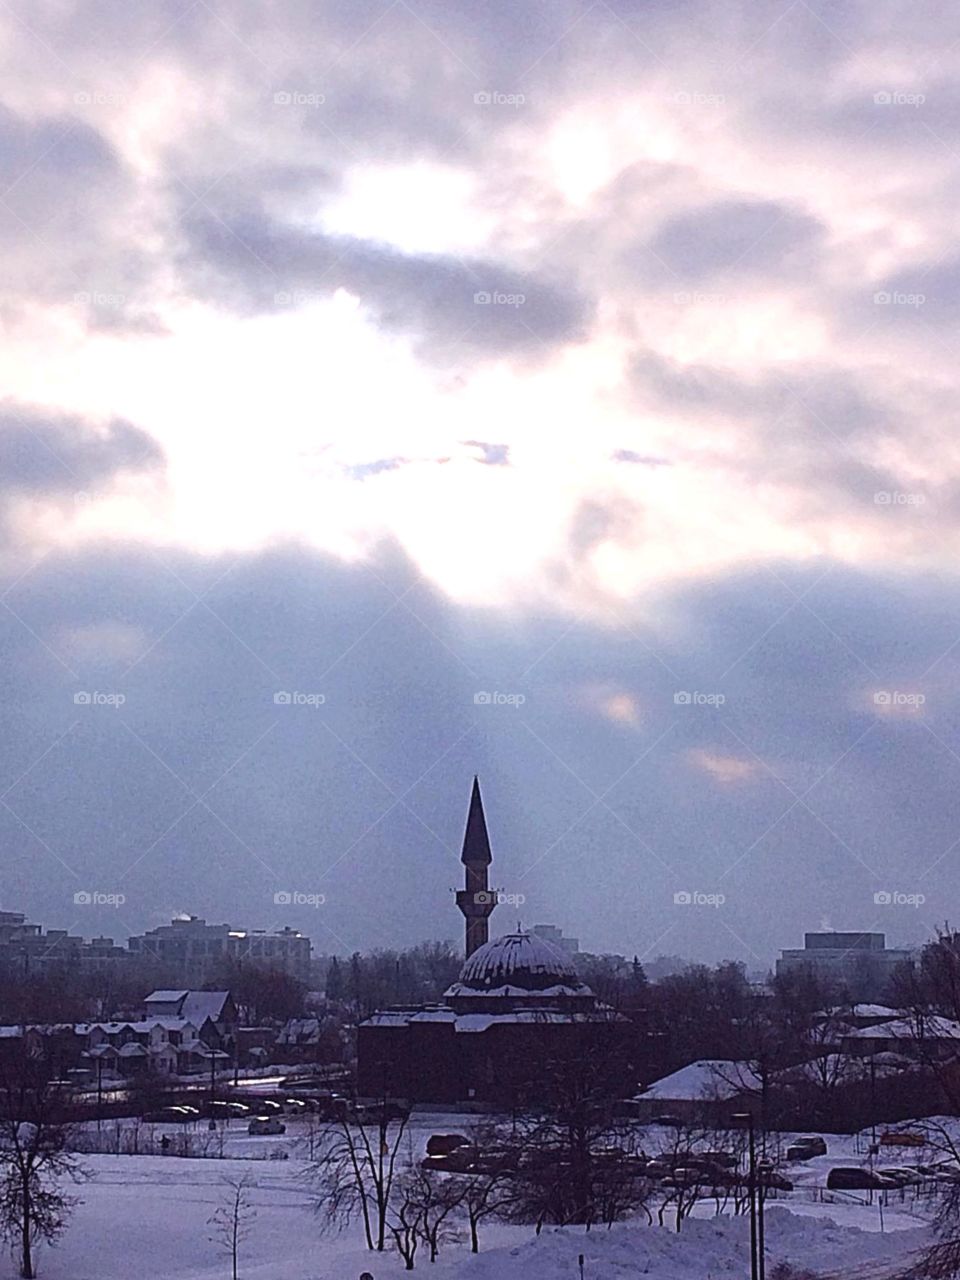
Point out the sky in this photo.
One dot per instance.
(559, 392)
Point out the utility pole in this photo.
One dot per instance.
(746, 1117)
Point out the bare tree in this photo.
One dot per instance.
(404, 1221)
(232, 1220)
(34, 1160)
(354, 1169)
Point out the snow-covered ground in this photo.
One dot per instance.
(143, 1217)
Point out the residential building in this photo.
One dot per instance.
(859, 962)
(190, 950)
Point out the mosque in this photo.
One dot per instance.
(517, 1007)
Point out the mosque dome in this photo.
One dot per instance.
(518, 960)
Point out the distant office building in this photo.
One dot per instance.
(194, 951)
(555, 936)
(860, 962)
(27, 950)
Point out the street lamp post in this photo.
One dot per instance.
(764, 1168)
(746, 1117)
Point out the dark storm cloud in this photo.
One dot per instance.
(361, 797)
(42, 451)
(253, 264)
(749, 236)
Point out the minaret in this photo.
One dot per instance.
(476, 900)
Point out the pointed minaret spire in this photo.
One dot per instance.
(476, 842)
(475, 899)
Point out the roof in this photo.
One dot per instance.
(201, 1005)
(710, 1079)
(521, 960)
(930, 1028)
(477, 1022)
(476, 842)
(165, 997)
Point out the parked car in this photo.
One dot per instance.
(172, 1115)
(774, 1181)
(902, 1138)
(260, 1125)
(902, 1176)
(814, 1143)
(441, 1144)
(722, 1159)
(855, 1178)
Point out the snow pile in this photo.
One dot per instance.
(706, 1249)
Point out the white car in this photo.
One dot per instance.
(266, 1124)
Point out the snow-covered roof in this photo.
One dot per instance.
(165, 997)
(472, 1022)
(521, 960)
(930, 1028)
(201, 1005)
(558, 991)
(709, 1079)
(857, 1011)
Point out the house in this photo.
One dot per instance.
(929, 1036)
(165, 1045)
(213, 1013)
(711, 1089)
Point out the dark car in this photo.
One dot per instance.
(668, 1121)
(812, 1146)
(441, 1144)
(854, 1178)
